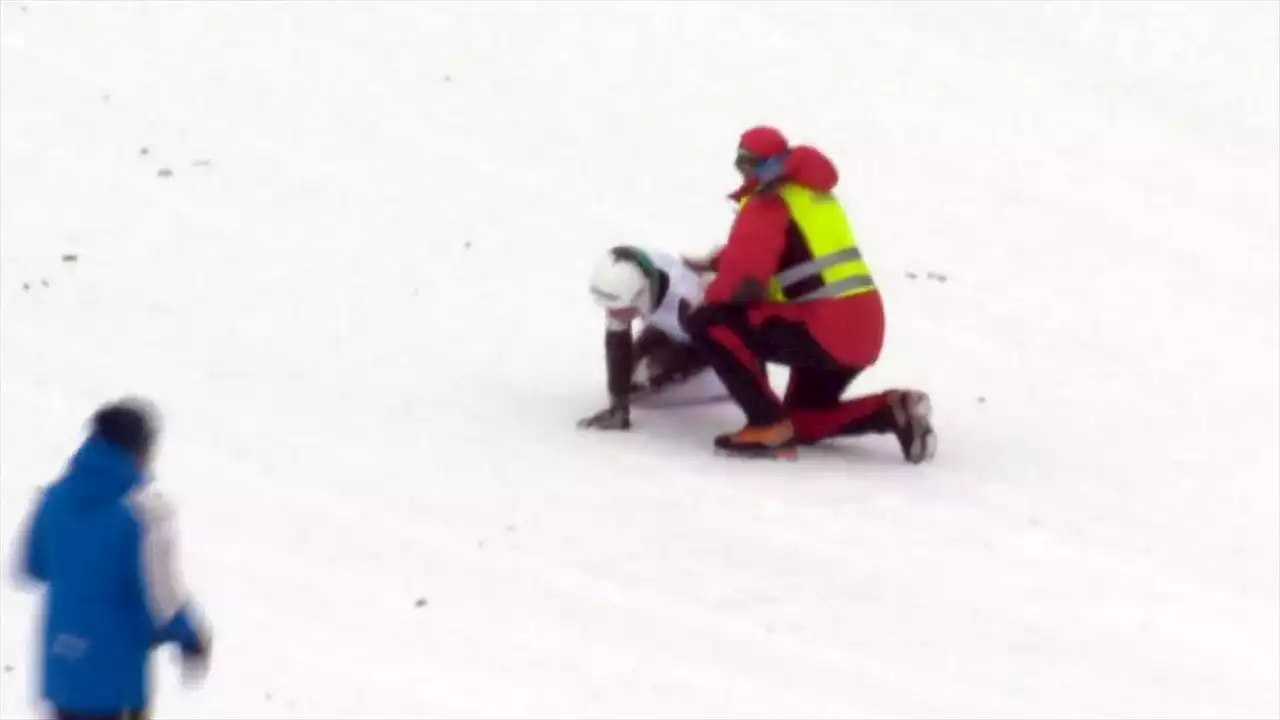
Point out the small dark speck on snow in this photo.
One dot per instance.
(70, 257)
(164, 172)
(8, 668)
(422, 602)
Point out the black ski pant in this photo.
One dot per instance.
(738, 352)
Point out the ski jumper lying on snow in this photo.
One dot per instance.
(660, 290)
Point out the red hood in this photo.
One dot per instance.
(806, 166)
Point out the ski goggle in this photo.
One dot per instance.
(746, 162)
(765, 170)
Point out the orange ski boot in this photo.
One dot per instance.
(765, 441)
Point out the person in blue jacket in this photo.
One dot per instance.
(99, 542)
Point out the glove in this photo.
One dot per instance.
(700, 265)
(195, 663)
(615, 417)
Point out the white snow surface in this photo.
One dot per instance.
(360, 299)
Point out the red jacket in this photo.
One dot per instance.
(759, 235)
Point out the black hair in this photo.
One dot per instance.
(131, 424)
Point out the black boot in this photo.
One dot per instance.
(912, 412)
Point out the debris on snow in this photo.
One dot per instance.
(930, 275)
(422, 602)
(164, 172)
(70, 257)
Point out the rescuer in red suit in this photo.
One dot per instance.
(821, 315)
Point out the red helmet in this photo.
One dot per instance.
(758, 145)
(762, 141)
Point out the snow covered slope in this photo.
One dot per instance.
(344, 245)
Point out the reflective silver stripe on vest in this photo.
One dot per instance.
(828, 291)
(793, 275)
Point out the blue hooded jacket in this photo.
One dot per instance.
(100, 543)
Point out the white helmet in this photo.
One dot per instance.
(617, 284)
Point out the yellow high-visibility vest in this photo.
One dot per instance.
(833, 250)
